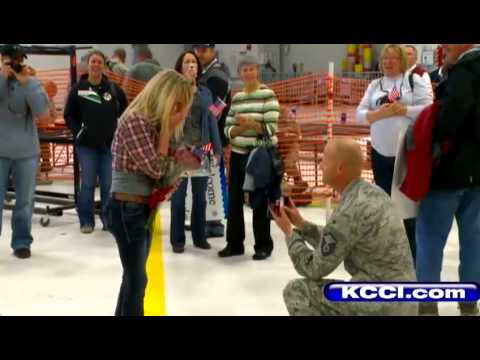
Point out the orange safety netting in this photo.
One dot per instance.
(57, 159)
(303, 126)
(306, 123)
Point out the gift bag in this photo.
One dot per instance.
(216, 196)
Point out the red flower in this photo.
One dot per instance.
(158, 196)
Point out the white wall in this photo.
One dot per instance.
(166, 54)
(47, 62)
(315, 57)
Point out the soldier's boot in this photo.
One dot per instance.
(468, 309)
(428, 309)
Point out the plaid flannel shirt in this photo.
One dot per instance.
(134, 148)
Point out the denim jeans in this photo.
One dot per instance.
(198, 215)
(434, 223)
(94, 162)
(383, 168)
(127, 222)
(24, 173)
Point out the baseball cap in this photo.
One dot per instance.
(13, 50)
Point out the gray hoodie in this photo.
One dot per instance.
(20, 105)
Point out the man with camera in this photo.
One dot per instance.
(22, 100)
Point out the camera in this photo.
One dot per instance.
(18, 68)
(383, 100)
(16, 53)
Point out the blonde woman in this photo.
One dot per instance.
(390, 105)
(140, 157)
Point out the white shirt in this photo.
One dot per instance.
(426, 78)
(385, 132)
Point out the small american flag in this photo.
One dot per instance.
(203, 151)
(217, 108)
(394, 94)
(207, 148)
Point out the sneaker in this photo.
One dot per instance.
(22, 253)
(261, 255)
(229, 252)
(178, 249)
(86, 229)
(428, 309)
(215, 230)
(204, 245)
(468, 309)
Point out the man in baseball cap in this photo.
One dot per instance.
(13, 51)
(216, 77)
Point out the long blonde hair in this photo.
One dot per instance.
(166, 92)
(402, 52)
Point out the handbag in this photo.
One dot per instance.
(277, 162)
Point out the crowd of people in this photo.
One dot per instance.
(175, 132)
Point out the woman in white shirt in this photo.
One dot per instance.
(390, 105)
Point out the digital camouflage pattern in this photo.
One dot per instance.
(367, 234)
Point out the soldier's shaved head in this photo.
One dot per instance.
(342, 163)
(349, 153)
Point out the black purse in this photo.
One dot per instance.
(277, 162)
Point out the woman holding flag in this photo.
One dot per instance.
(200, 133)
(390, 105)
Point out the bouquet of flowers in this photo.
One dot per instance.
(174, 167)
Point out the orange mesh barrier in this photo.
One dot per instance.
(303, 129)
(57, 159)
(130, 86)
(303, 126)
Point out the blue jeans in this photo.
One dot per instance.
(198, 214)
(24, 172)
(94, 162)
(128, 224)
(434, 223)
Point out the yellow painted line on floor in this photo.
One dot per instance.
(155, 303)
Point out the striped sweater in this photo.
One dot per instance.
(262, 106)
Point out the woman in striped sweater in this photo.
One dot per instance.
(254, 113)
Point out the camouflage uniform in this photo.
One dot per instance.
(367, 234)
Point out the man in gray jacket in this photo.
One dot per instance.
(22, 99)
(145, 67)
(365, 233)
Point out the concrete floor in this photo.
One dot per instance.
(75, 274)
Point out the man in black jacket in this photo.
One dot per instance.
(455, 185)
(216, 77)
